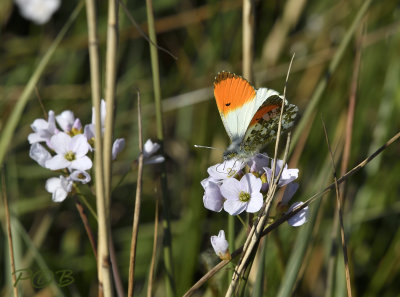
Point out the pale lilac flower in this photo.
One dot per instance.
(220, 245)
(71, 152)
(258, 162)
(117, 147)
(149, 149)
(301, 217)
(66, 120)
(290, 190)
(38, 11)
(288, 175)
(80, 176)
(242, 195)
(39, 154)
(222, 171)
(59, 187)
(212, 198)
(43, 130)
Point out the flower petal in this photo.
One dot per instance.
(289, 192)
(117, 147)
(83, 163)
(60, 143)
(231, 188)
(255, 203)
(39, 154)
(57, 162)
(234, 206)
(220, 245)
(212, 198)
(79, 145)
(300, 218)
(65, 120)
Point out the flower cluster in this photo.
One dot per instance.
(230, 188)
(66, 148)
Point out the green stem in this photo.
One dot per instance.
(167, 244)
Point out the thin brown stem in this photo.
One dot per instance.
(86, 224)
(154, 253)
(9, 234)
(340, 211)
(135, 227)
(248, 38)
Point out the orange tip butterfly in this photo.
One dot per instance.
(250, 116)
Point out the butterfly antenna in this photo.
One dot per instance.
(206, 147)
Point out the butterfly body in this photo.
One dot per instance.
(250, 116)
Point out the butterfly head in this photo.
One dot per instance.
(233, 150)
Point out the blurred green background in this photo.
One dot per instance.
(206, 37)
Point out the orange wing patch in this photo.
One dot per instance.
(231, 92)
(265, 113)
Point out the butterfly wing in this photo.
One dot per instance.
(263, 126)
(237, 103)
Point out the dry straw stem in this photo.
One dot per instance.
(255, 233)
(288, 215)
(103, 266)
(9, 234)
(138, 198)
(8, 132)
(248, 38)
(340, 212)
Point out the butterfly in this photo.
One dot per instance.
(250, 116)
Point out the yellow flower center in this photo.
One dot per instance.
(70, 156)
(244, 196)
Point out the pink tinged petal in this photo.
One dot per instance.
(61, 143)
(300, 218)
(212, 198)
(83, 163)
(57, 162)
(255, 203)
(230, 188)
(77, 125)
(234, 206)
(220, 245)
(79, 145)
(117, 147)
(66, 119)
(289, 192)
(39, 154)
(80, 176)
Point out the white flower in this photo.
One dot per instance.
(212, 197)
(225, 170)
(242, 195)
(220, 245)
(301, 217)
(287, 176)
(59, 188)
(258, 162)
(43, 130)
(38, 11)
(71, 152)
(66, 120)
(80, 176)
(117, 147)
(39, 154)
(149, 149)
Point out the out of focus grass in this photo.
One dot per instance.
(206, 37)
